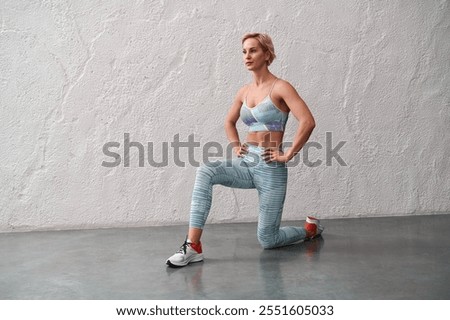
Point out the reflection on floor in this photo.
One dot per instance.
(368, 258)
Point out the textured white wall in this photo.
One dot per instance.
(77, 74)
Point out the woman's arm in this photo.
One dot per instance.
(305, 119)
(230, 122)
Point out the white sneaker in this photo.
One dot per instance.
(189, 252)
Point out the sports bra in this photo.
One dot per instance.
(265, 116)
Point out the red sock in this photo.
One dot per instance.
(197, 247)
(311, 229)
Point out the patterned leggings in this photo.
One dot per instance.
(249, 172)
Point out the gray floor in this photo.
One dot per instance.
(370, 258)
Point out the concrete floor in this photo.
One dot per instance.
(369, 258)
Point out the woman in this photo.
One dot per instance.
(264, 106)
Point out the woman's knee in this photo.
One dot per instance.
(267, 241)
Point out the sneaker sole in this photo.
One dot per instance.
(172, 265)
(315, 237)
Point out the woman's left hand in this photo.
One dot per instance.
(275, 155)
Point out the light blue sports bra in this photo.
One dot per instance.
(265, 116)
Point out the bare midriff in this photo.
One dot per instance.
(265, 139)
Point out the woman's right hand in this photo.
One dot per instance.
(241, 150)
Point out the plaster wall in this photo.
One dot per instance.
(75, 75)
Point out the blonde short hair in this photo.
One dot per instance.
(266, 43)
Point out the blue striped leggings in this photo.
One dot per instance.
(248, 172)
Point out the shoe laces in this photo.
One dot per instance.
(183, 247)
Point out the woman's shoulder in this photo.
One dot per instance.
(283, 87)
(282, 83)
